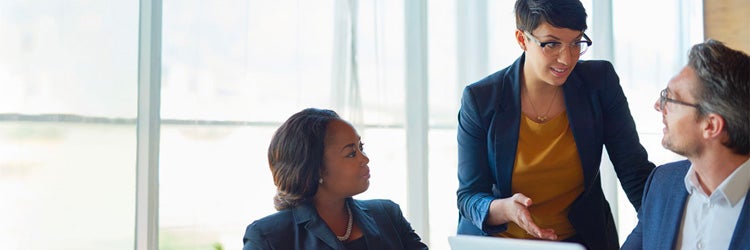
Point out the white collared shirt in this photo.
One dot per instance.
(709, 221)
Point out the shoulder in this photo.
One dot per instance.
(594, 66)
(482, 96)
(274, 224)
(595, 74)
(490, 81)
(668, 176)
(677, 168)
(377, 204)
(272, 231)
(495, 80)
(498, 80)
(380, 206)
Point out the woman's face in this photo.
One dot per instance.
(346, 172)
(551, 67)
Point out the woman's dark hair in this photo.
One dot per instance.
(724, 89)
(295, 156)
(559, 13)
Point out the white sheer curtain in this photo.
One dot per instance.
(345, 90)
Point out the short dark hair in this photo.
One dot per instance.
(295, 156)
(724, 89)
(559, 13)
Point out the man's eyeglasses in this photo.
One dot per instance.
(555, 48)
(663, 99)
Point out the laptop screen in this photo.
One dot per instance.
(470, 242)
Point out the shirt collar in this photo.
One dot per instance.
(733, 188)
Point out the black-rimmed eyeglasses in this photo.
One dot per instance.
(555, 48)
(663, 99)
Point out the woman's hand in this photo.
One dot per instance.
(515, 209)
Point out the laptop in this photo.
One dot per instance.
(471, 242)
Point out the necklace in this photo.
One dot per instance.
(348, 226)
(542, 117)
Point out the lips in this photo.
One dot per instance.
(559, 72)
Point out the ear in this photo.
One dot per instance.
(521, 39)
(714, 126)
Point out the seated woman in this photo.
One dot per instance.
(318, 164)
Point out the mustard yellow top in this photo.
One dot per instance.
(547, 170)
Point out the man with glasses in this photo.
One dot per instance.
(531, 136)
(702, 202)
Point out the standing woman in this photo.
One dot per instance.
(318, 164)
(530, 137)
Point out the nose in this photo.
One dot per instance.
(365, 159)
(565, 55)
(657, 105)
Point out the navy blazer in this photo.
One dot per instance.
(381, 221)
(660, 217)
(488, 127)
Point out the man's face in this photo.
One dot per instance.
(680, 115)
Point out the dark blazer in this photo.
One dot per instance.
(381, 221)
(660, 217)
(488, 127)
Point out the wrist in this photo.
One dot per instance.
(497, 215)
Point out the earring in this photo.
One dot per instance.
(320, 181)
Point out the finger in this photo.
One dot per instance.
(527, 223)
(533, 229)
(522, 199)
(541, 233)
(547, 234)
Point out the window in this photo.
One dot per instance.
(234, 71)
(68, 73)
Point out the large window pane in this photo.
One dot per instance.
(643, 79)
(213, 181)
(233, 71)
(68, 75)
(245, 60)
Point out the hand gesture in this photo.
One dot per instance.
(516, 209)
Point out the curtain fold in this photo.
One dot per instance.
(345, 90)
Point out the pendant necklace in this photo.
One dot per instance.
(542, 117)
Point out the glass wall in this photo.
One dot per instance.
(234, 71)
(68, 73)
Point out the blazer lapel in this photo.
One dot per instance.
(506, 125)
(368, 226)
(306, 214)
(582, 116)
(741, 236)
(671, 220)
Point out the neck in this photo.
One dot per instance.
(712, 168)
(539, 88)
(329, 206)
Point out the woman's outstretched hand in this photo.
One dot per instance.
(516, 209)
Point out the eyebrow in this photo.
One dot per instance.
(558, 39)
(351, 145)
(670, 92)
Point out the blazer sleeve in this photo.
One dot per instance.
(635, 239)
(628, 156)
(409, 238)
(474, 193)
